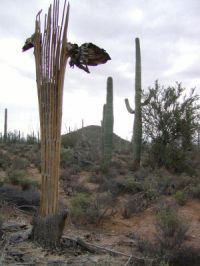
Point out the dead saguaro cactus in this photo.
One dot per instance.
(51, 57)
(137, 126)
(51, 51)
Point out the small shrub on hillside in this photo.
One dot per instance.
(88, 210)
(66, 157)
(180, 197)
(5, 160)
(81, 209)
(135, 204)
(171, 232)
(194, 191)
(167, 246)
(130, 185)
(16, 176)
(27, 184)
(19, 163)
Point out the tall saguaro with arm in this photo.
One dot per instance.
(137, 126)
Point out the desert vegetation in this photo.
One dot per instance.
(89, 197)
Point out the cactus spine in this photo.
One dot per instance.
(5, 124)
(137, 126)
(107, 127)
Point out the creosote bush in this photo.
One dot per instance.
(19, 177)
(86, 209)
(167, 245)
(171, 231)
(81, 209)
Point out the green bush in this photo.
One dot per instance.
(131, 185)
(180, 197)
(82, 210)
(66, 157)
(16, 176)
(5, 160)
(28, 184)
(19, 163)
(86, 209)
(171, 232)
(194, 191)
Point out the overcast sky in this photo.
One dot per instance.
(169, 33)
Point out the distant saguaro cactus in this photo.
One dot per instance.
(5, 125)
(137, 126)
(107, 126)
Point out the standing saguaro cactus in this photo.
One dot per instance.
(51, 56)
(51, 51)
(107, 126)
(137, 127)
(5, 124)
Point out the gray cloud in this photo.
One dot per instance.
(168, 30)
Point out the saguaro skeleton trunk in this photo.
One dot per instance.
(50, 58)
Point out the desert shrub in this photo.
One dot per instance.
(75, 169)
(34, 157)
(81, 209)
(194, 191)
(66, 157)
(135, 204)
(5, 160)
(170, 121)
(27, 184)
(166, 247)
(16, 176)
(180, 197)
(130, 185)
(171, 232)
(19, 163)
(88, 210)
(108, 184)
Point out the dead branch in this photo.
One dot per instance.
(128, 261)
(93, 248)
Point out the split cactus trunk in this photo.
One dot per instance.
(50, 58)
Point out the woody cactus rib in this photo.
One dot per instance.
(50, 59)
